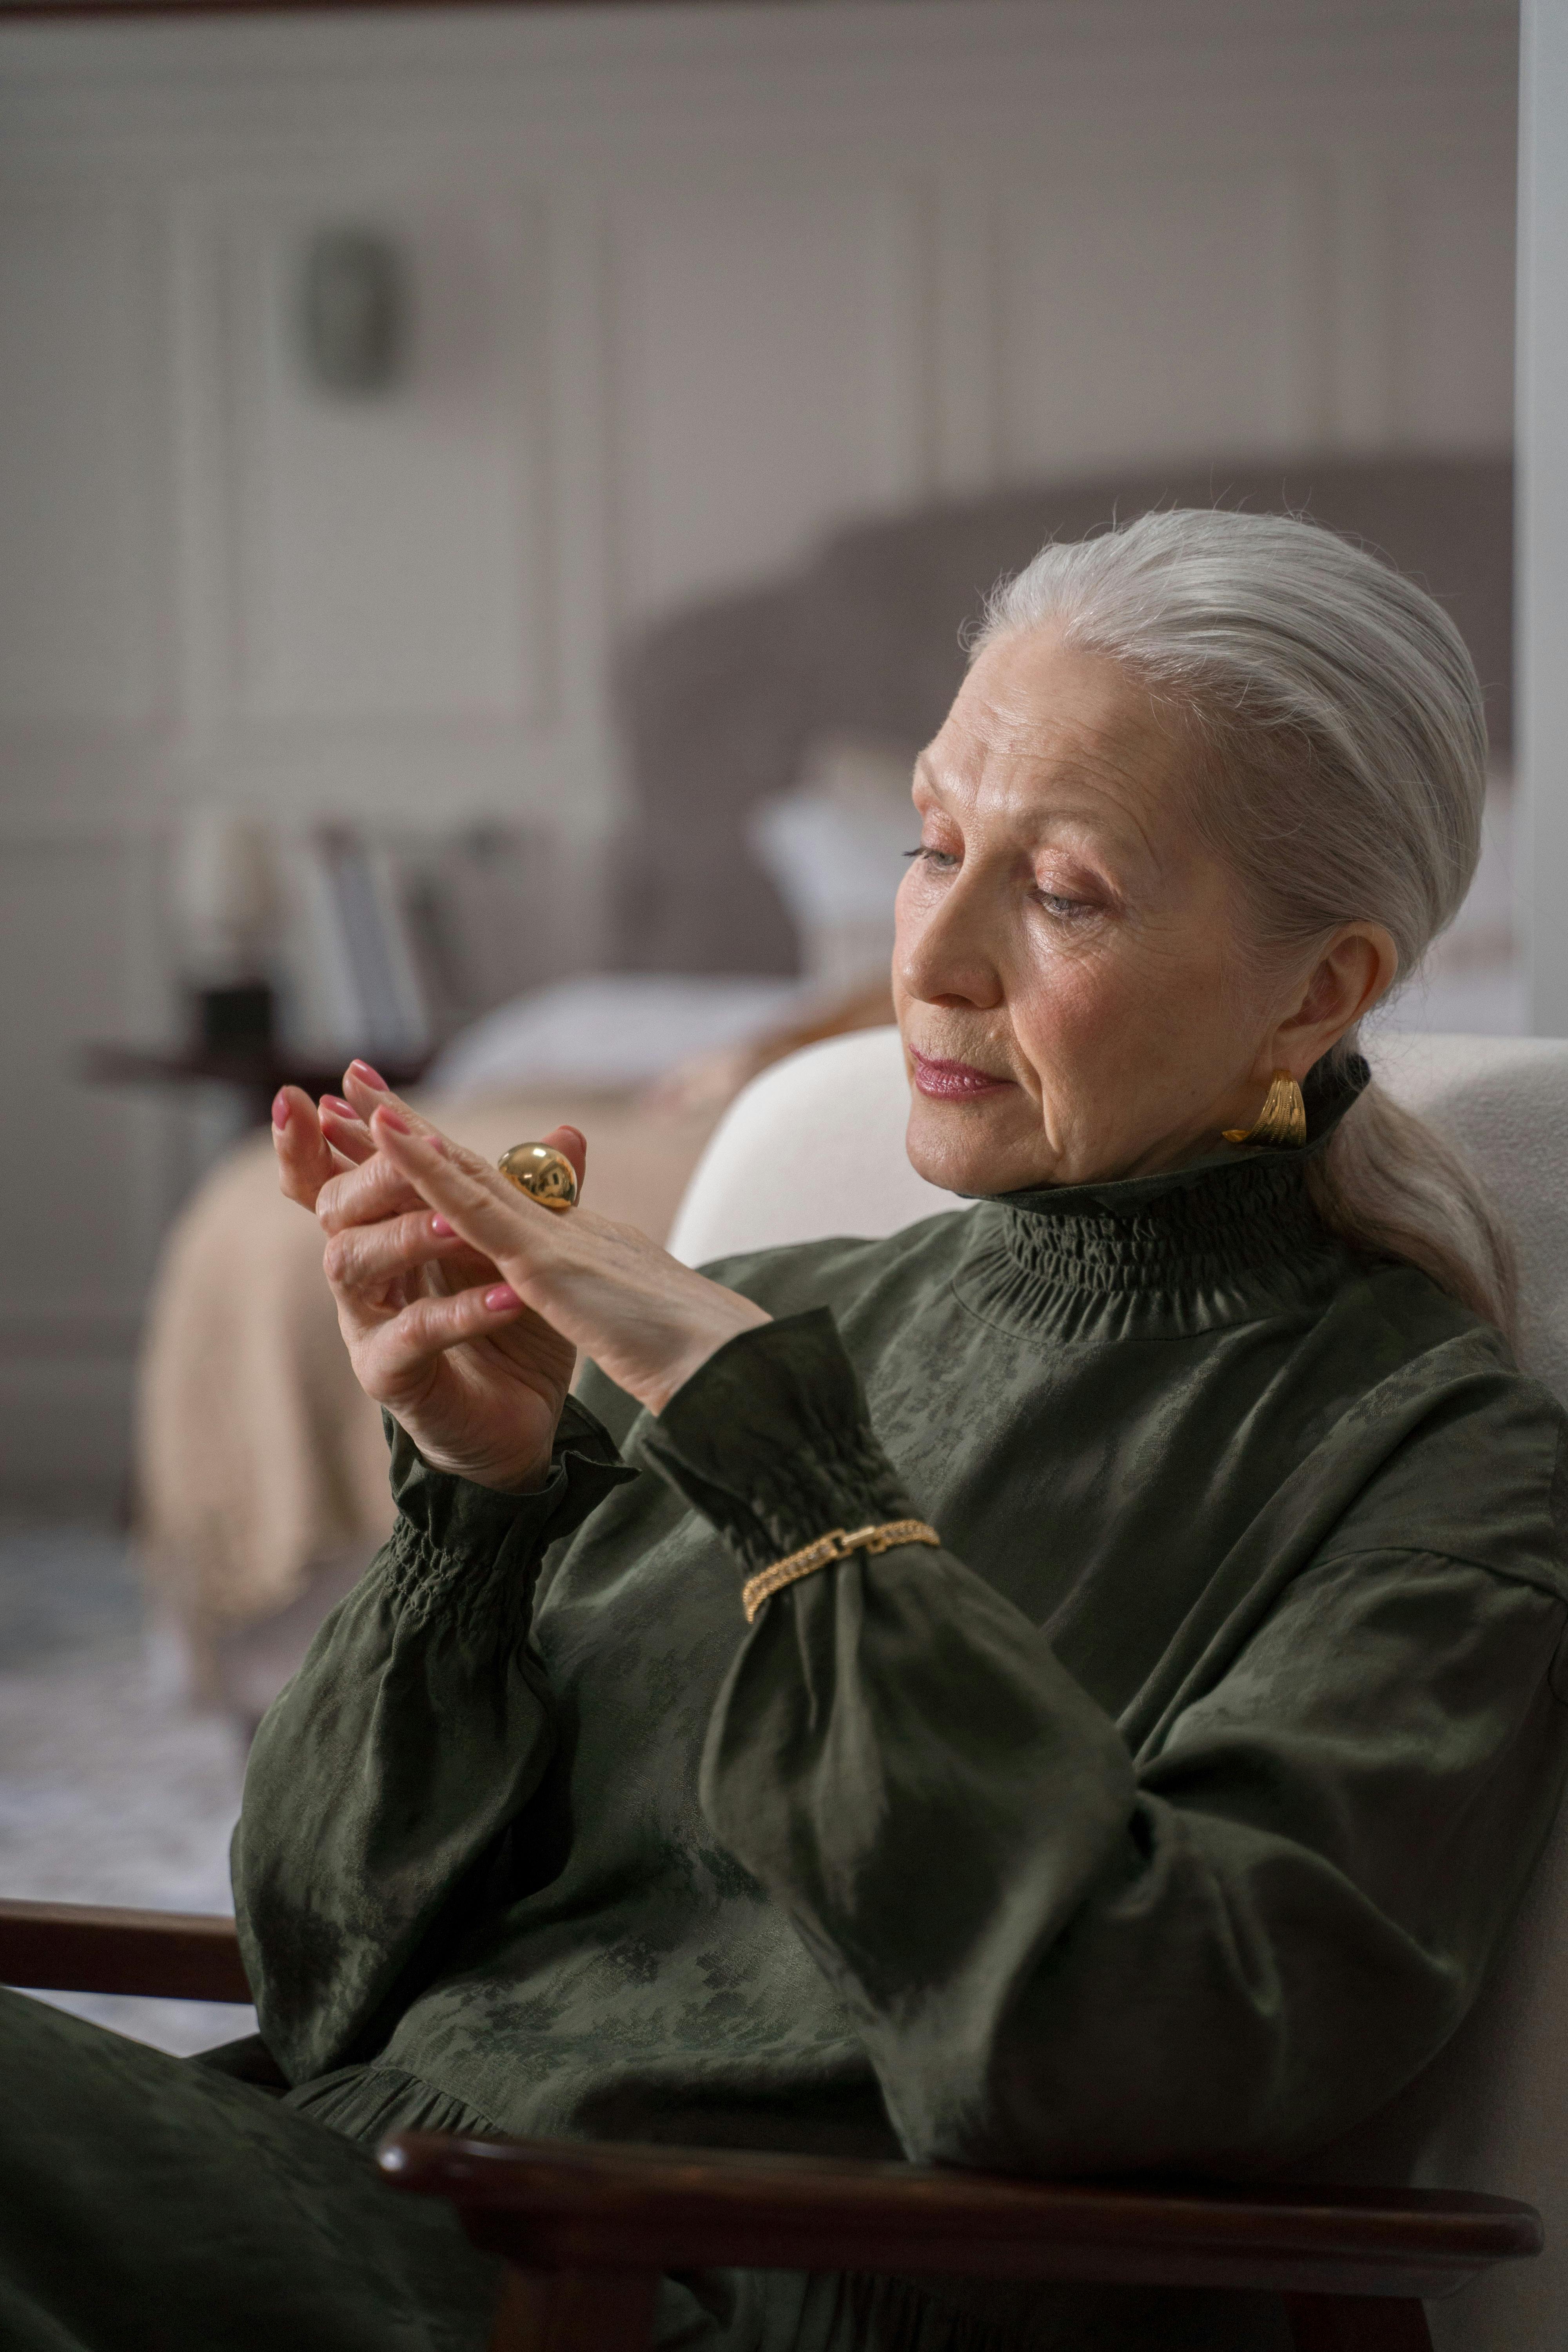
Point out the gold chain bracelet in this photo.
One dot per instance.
(834, 1545)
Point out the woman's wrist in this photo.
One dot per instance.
(459, 1514)
(732, 1317)
(493, 1471)
(771, 1441)
(498, 1479)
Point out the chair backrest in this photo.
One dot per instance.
(814, 1146)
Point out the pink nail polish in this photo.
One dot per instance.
(339, 1107)
(501, 1298)
(372, 1077)
(391, 1118)
(443, 1229)
(280, 1110)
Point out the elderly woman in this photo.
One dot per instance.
(1144, 1776)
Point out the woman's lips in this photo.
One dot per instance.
(953, 1081)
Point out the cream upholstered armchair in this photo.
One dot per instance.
(588, 2229)
(1489, 2114)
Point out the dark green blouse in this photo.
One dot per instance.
(1165, 1817)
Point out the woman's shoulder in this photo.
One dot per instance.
(1471, 1450)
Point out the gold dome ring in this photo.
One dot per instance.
(545, 1174)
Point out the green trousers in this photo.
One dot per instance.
(154, 2204)
(150, 2204)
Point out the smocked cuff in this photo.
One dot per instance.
(468, 1552)
(771, 1440)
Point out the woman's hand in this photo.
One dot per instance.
(463, 1302)
(647, 1320)
(480, 1395)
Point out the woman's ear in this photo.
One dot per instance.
(1356, 968)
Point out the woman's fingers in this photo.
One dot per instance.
(345, 1130)
(491, 1214)
(370, 1093)
(567, 1282)
(306, 1160)
(366, 1258)
(317, 1145)
(426, 1328)
(366, 1195)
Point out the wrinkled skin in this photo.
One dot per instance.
(1063, 930)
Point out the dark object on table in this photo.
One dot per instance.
(587, 2230)
(255, 1071)
(238, 1018)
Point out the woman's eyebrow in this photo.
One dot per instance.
(1114, 842)
(1119, 833)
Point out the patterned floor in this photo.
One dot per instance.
(110, 1790)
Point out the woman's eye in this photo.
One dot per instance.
(928, 856)
(1069, 910)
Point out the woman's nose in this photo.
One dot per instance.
(943, 953)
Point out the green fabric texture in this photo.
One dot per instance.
(150, 2205)
(1165, 1818)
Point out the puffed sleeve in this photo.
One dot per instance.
(412, 1738)
(1218, 1953)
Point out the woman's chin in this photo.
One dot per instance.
(968, 1147)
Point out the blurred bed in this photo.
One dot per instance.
(770, 735)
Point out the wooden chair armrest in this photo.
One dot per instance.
(555, 2206)
(80, 1947)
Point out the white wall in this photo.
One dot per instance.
(693, 283)
(1542, 707)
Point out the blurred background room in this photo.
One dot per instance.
(489, 499)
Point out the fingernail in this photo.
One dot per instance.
(372, 1077)
(502, 1296)
(280, 1110)
(394, 1121)
(338, 1106)
(442, 1229)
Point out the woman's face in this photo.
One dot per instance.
(1069, 978)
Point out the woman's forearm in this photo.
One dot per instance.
(410, 1741)
(1059, 1956)
(1222, 1959)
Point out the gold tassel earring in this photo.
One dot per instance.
(1282, 1121)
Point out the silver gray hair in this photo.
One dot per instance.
(1340, 773)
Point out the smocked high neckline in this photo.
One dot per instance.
(1230, 1238)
